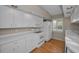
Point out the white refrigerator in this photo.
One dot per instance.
(47, 30)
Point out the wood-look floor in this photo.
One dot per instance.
(51, 46)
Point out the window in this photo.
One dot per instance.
(58, 24)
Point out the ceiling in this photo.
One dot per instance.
(52, 9)
(66, 10)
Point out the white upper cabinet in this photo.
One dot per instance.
(29, 20)
(32, 20)
(67, 10)
(75, 15)
(6, 17)
(12, 18)
(18, 19)
(38, 20)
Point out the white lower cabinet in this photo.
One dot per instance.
(17, 46)
(30, 45)
(24, 44)
(8, 47)
(20, 46)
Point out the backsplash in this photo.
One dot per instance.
(15, 30)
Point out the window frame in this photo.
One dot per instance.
(56, 29)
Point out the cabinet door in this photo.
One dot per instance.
(19, 19)
(32, 20)
(31, 42)
(29, 45)
(6, 17)
(17, 46)
(75, 15)
(24, 19)
(20, 46)
(28, 20)
(7, 48)
(38, 21)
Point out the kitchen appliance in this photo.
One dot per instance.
(47, 30)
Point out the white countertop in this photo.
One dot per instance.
(12, 37)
